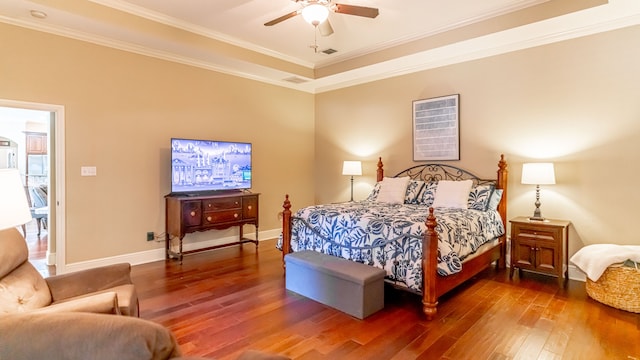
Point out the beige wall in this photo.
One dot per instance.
(121, 110)
(574, 103)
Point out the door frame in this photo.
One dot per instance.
(57, 168)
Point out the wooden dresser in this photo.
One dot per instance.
(188, 214)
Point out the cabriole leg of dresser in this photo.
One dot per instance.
(172, 254)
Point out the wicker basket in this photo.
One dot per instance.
(618, 287)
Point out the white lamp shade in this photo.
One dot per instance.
(14, 208)
(538, 174)
(315, 14)
(352, 168)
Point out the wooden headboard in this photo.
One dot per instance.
(436, 171)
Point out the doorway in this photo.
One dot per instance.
(34, 145)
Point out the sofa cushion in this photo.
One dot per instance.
(84, 336)
(14, 251)
(23, 289)
(126, 300)
(99, 303)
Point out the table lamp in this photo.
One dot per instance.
(538, 174)
(352, 168)
(14, 208)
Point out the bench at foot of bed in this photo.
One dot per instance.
(348, 286)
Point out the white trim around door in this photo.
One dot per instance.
(58, 164)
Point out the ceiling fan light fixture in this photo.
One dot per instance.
(315, 14)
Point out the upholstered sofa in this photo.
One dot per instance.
(70, 316)
(81, 336)
(107, 289)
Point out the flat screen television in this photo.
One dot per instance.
(204, 166)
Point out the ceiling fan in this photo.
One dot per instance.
(316, 13)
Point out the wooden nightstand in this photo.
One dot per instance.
(540, 246)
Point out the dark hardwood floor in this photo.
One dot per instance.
(221, 302)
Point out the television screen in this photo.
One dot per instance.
(204, 165)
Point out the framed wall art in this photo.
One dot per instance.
(436, 128)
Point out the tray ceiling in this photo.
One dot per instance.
(411, 35)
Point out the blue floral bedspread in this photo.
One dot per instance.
(390, 236)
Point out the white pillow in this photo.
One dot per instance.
(393, 190)
(454, 194)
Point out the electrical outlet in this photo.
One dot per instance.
(150, 236)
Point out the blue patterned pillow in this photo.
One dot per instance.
(413, 191)
(428, 194)
(479, 197)
(374, 193)
(496, 196)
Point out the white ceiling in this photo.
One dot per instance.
(408, 35)
(241, 22)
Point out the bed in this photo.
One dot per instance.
(391, 234)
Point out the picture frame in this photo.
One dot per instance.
(436, 128)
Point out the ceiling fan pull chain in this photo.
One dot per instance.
(315, 39)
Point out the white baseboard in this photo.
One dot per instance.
(576, 274)
(158, 254)
(144, 257)
(51, 258)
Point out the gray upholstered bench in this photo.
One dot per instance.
(348, 286)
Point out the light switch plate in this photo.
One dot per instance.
(88, 171)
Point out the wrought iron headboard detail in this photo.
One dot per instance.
(436, 172)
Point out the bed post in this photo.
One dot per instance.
(430, 267)
(286, 229)
(501, 183)
(380, 172)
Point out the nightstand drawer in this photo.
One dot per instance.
(536, 234)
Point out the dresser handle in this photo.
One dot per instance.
(235, 215)
(249, 207)
(209, 218)
(193, 213)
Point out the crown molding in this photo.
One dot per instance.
(614, 15)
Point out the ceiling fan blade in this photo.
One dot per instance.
(325, 28)
(281, 19)
(356, 10)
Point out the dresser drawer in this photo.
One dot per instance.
(216, 217)
(227, 203)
